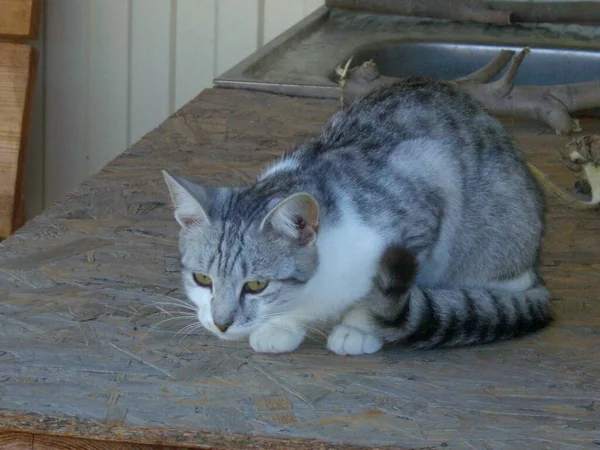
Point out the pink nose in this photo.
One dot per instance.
(223, 326)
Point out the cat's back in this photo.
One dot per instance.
(409, 109)
(421, 119)
(424, 132)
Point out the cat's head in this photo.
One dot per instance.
(245, 258)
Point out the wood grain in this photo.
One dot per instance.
(26, 441)
(20, 18)
(115, 437)
(48, 442)
(16, 441)
(89, 346)
(18, 65)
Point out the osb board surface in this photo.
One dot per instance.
(19, 18)
(17, 77)
(83, 351)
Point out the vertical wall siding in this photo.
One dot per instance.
(237, 33)
(108, 90)
(66, 89)
(34, 175)
(279, 16)
(195, 48)
(149, 66)
(115, 69)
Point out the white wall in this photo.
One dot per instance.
(111, 70)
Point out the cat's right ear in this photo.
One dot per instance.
(296, 217)
(190, 201)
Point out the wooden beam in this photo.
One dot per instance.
(20, 18)
(18, 67)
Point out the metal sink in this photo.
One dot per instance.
(447, 61)
(302, 60)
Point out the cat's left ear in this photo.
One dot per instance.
(296, 217)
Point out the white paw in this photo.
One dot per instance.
(270, 339)
(346, 340)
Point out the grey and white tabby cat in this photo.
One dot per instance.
(412, 218)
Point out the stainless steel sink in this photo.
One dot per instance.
(302, 60)
(447, 61)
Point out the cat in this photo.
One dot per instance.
(412, 218)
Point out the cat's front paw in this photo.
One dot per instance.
(347, 340)
(271, 339)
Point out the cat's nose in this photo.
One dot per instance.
(223, 326)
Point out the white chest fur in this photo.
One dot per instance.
(348, 255)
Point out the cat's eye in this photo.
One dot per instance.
(256, 286)
(202, 280)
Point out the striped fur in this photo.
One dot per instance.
(446, 317)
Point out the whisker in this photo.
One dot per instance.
(178, 305)
(169, 332)
(183, 302)
(191, 316)
(143, 307)
(164, 311)
(178, 313)
(191, 325)
(145, 335)
(316, 330)
(169, 319)
(173, 318)
(194, 328)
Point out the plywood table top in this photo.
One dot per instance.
(89, 349)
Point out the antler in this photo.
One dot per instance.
(550, 104)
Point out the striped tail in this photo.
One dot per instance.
(429, 318)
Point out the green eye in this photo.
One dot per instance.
(254, 287)
(202, 280)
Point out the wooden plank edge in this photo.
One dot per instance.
(18, 219)
(36, 18)
(34, 25)
(28, 441)
(52, 442)
(193, 439)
